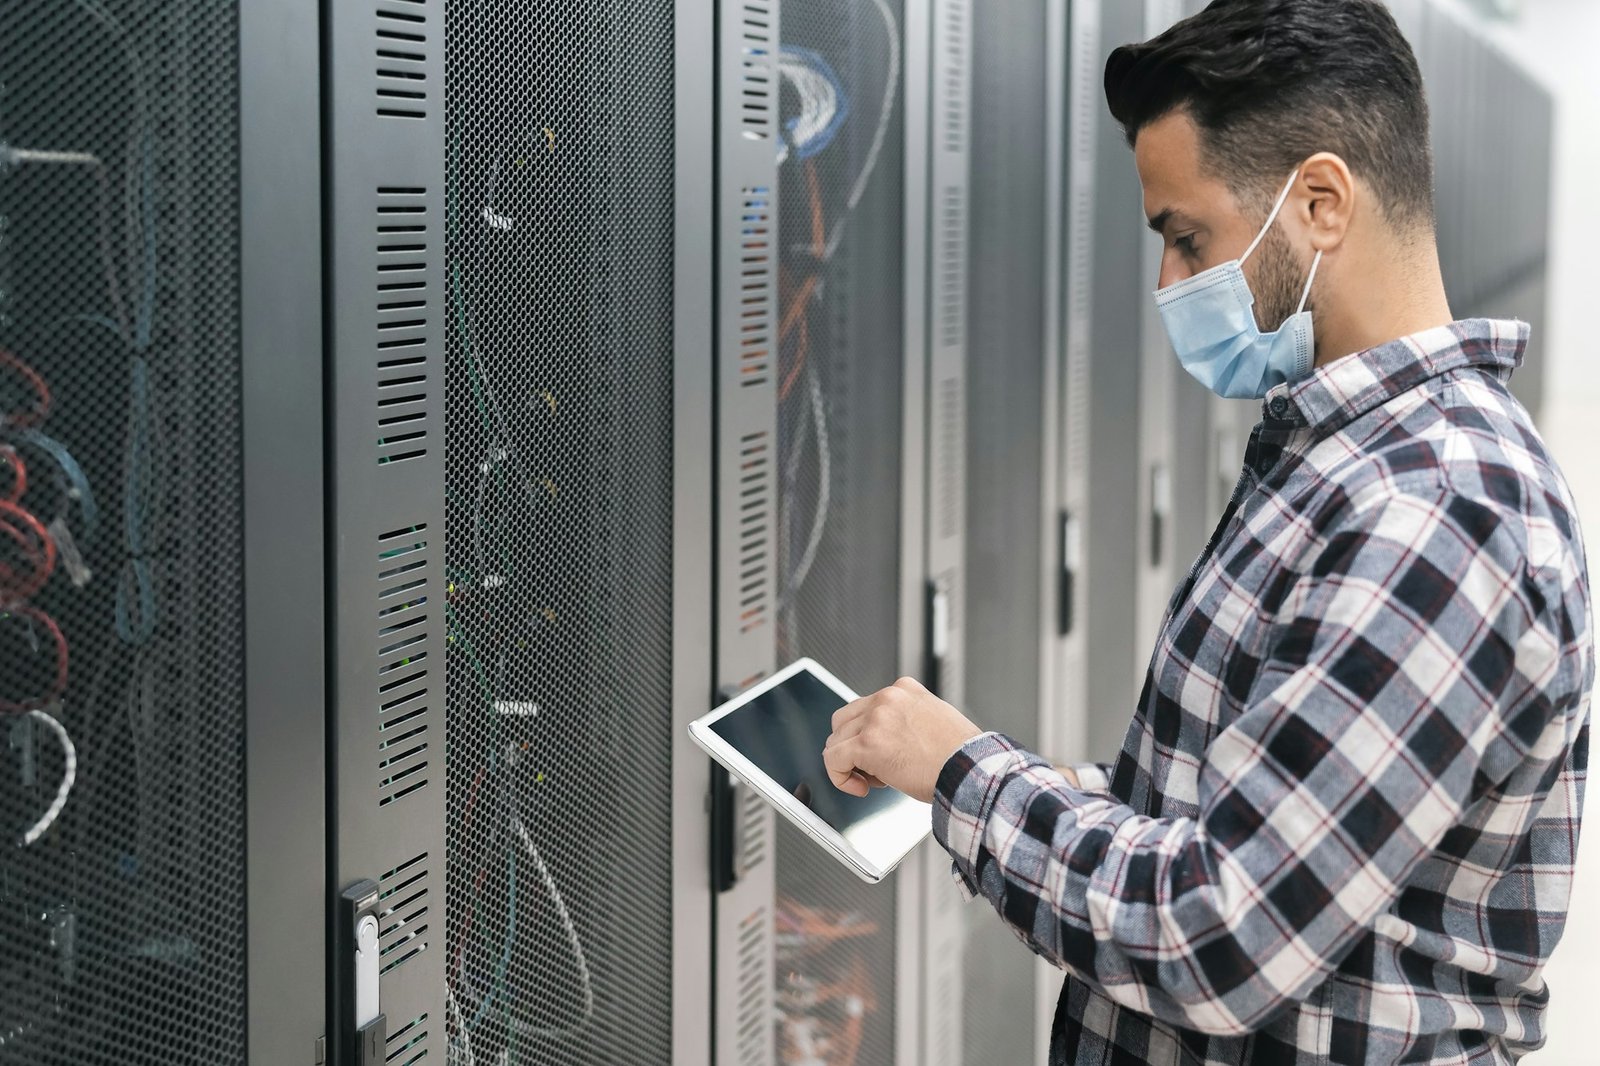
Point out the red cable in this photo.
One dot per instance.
(41, 408)
(59, 687)
(44, 558)
(13, 587)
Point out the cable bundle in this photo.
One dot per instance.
(39, 545)
(32, 556)
(826, 992)
(823, 111)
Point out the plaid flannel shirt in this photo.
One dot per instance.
(1343, 824)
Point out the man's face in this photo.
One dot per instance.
(1202, 224)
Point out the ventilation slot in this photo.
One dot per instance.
(753, 840)
(403, 919)
(755, 286)
(758, 75)
(953, 267)
(755, 987)
(955, 76)
(407, 1045)
(402, 315)
(401, 82)
(755, 530)
(403, 632)
(950, 430)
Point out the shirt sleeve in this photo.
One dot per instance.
(1092, 776)
(1408, 670)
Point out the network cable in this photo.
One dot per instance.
(459, 1052)
(823, 109)
(819, 520)
(37, 549)
(139, 198)
(885, 112)
(69, 776)
(822, 1017)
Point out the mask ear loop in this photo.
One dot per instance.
(1282, 198)
(1316, 262)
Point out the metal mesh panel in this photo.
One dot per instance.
(1006, 442)
(839, 478)
(559, 421)
(122, 925)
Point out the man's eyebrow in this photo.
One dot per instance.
(1159, 223)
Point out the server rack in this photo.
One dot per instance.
(159, 201)
(1176, 445)
(1163, 420)
(842, 228)
(519, 294)
(946, 284)
(1493, 208)
(1014, 356)
(1116, 485)
(384, 160)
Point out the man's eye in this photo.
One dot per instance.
(1185, 244)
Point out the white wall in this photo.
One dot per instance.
(1556, 39)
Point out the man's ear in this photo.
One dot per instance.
(1326, 199)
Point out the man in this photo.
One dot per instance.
(1343, 823)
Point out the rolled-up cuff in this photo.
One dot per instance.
(968, 787)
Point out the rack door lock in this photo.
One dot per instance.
(359, 936)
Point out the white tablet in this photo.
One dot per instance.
(771, 738)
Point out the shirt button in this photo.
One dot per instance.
(1278, 407)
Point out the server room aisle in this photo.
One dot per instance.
(1571, 411)
(1557, 37)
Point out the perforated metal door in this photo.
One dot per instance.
(122, 924)
(839, 468)
(559, 499)
(812, 396)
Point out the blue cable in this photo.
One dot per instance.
(147, 303)
(505, 955)
(825, 136)
(134, 489)
(74, 474)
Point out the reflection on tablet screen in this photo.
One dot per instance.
(782, 732)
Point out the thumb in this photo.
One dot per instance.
(839, 759)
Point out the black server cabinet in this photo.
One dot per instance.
(559, 512)
(515, 542)
(831, 385)
(559, 530)
(1013, 349)
(161, 683)
(830, 372)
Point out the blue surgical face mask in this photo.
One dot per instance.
(1211, 321)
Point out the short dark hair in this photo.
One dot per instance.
(1272, 82)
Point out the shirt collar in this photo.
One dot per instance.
(1342, 391)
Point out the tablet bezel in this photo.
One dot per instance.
(797, 813)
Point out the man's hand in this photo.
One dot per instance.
(898, 738)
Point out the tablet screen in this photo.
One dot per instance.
(782, 732)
